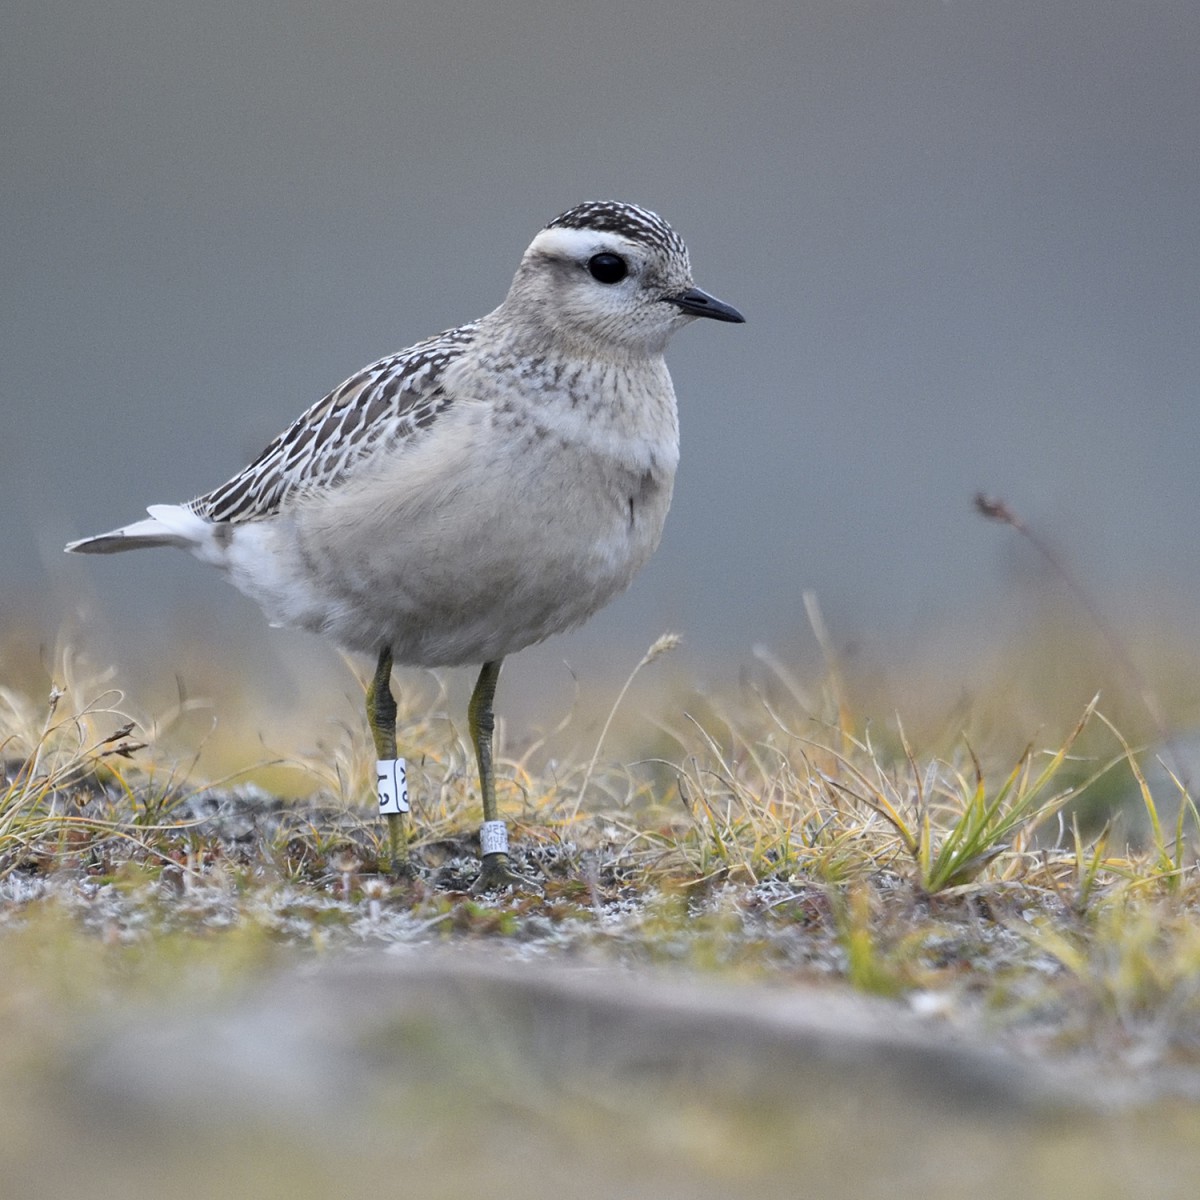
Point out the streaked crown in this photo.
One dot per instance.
(628, 220)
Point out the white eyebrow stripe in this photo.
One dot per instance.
(578, 243)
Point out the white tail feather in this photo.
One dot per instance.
(168, 525)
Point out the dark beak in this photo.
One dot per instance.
(696, 303)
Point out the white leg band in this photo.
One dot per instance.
(493, 838)
(391, 785)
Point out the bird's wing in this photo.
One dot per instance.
(377, 408)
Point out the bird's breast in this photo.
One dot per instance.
(513, 517)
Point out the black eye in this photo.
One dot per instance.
(607, 268)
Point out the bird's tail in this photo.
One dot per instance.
(168, 525)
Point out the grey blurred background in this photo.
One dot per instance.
(964, 234)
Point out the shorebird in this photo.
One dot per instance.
(476, 493)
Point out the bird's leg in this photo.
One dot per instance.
(381, 716)
(495, 869)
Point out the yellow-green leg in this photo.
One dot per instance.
(381, 716)
(495, 869)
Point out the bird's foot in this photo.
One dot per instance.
(496, 873)
(403, 867)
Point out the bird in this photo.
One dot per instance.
(476, 493)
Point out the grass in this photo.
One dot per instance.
(771, 833)
(751, 834)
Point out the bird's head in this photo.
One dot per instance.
(610, 278)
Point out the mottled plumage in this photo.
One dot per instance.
(383, 405)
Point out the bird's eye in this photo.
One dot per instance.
(607, 268)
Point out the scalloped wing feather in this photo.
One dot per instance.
(378, 408)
